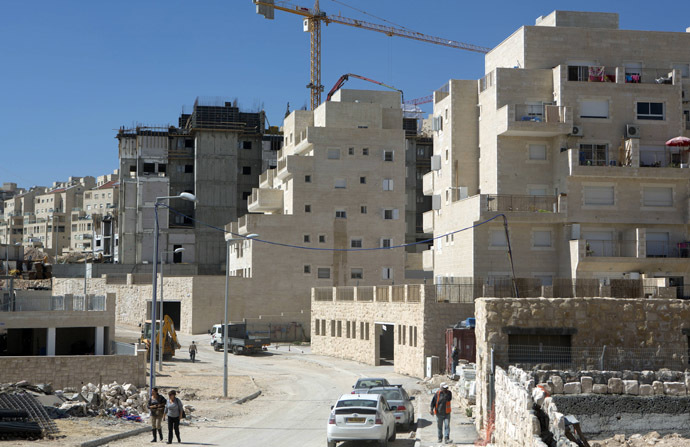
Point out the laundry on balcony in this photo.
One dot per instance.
(597, 74)
(632, 78)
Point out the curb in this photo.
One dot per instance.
(247, 398)
(115, 437)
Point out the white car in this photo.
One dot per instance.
(361, 417)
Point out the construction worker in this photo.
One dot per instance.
(440, 406)
(192, 351)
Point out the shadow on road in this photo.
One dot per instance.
(421, 423)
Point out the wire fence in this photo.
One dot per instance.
(603, 358)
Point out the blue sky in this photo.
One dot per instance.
(72, 72)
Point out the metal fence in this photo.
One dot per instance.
(602, 358)
(119, 348)
(31, 304)
(90, 302)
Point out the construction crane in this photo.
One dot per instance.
(341, 81)
(314, 17)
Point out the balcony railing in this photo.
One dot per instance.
(661, 249)
(540, 113)
(522, 203)
(594, 73)
(614, 249)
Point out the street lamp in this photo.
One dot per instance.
(160, 333)
(152, 355)
(225, 321)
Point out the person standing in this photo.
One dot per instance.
(157, 407)
(455, 356)
(174, 412)
(192, 351)
(440, 406)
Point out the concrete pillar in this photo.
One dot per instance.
(50, 342)
(99, 340)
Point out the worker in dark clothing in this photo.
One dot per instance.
(456, 358)
(440, 406)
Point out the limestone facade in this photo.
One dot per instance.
(559, 136)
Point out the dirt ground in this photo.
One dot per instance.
(646, 440)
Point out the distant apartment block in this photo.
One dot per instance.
(94, 226)
(565, 135)
(214, 153)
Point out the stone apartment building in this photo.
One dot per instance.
(214, 153)
(15, 209)
(565, 135)
(339, 185)
(94, 227)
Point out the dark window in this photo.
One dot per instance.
(539, 348)
(362, 180)
(307, 238)
(323, 273)
(177, 257)
(189, 143)
(307, 269)
(189, 169)
(351, 151)
(387, 155)
(246, 145)
(132, 169)
(149, 168)
(307, 208)
(246, 170)
(363, 209)
(307, 179)
(356, 243)
(162, 167)
(322, 238)
(365, 151)
(650, 111)
(246, 195)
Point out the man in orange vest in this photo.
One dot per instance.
(440, 406)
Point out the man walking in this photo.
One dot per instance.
(440, 406)
(192, 351)
(455, 357)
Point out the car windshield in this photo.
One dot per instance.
(356, 403)
(388, 394)
(369, 383)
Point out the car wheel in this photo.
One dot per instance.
(216, 347)
(331, 443)
(384, 443)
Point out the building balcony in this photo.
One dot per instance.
(621, 75)
(265, 200)
(428, 222)
(522, 203)
(428, 183)
(638, 255)
(266, 178)
(428, 260)
(525, 120)
(292, 164)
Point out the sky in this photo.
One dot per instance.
(73, 72)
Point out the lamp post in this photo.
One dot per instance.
(152, 348)
(225, 315)
(160, 333)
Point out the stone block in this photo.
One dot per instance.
(646, 390)
(587, 383)
(631, 387)
(572, 388)
(675, 389)
(615, 386)
(556, 384)
(658, 387)
(538, 395)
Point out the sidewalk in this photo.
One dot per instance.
(462, 431)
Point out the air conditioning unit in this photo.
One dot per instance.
(436, 202)
(577, 131)
(632, 131)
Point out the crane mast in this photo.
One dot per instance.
(313, 19)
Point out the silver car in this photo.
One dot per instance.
(400, 402)
(361, 417)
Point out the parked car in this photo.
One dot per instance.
(361, 417)
(362, 385)
(399, 401)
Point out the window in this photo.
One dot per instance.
(322, 238)
(363, 209)
(497, 238)
(246, 145)
(366, 331)
(365, 151)
(317, 326)
(307, 179)
(593, 154)
(388, 184)
(684, 69)
(340, 214)
(323, 273)
(541, 238)
(246, 170)
(356, 273)
(650, 111)
(189, 169)
(351, 151)
(594, 108)
(386, 273)
(390, 214)
(307, 208)
(307, 238)
(188, 143)
(657, 196)
(332, 328)
(162, 167)
(323, 327)
(537, 152)
(363, 180)
(334, 154)
(307, 269)
(149, 168)
(340, 183)
(599, 195)
(387, 155)
(246, 195)
(386, 243)
(355, 243)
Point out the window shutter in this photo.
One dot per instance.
(542, 238)
(594, 109)
(657, 196)
(537, 152)
(599, 195)
(395, 214)
(497, 238)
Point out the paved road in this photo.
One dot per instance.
(294, 409)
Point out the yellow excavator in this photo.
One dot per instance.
(170, 343)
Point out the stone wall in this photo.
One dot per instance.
(418, 326)
(593, 322)
(516, 423)
(75, 371)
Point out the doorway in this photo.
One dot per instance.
(385, 344)
(170, 308)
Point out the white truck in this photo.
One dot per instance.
(239, 340)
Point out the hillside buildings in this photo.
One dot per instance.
(565, 136)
